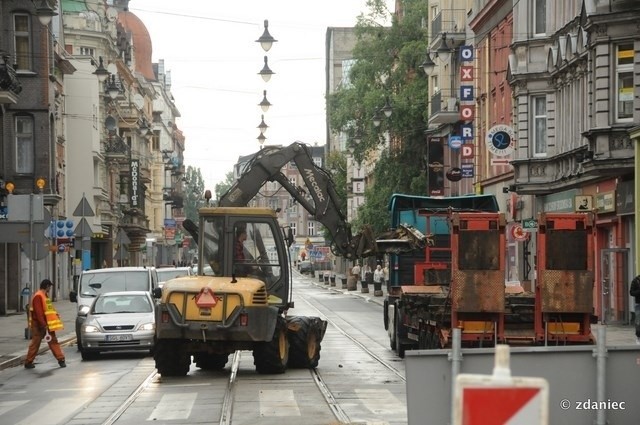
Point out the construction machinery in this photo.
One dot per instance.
(241, 295)
(458, 279)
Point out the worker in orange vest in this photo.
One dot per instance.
(44, 322)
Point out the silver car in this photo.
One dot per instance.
(168, 273)
(119, 321)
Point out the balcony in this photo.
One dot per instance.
(444, 110)
(448, 29)
(9, 85)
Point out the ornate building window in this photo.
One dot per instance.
(624, 83)
(311, 228)
(22, 41)
(539, 125)
(539, 17)
(293, 227)
(24, 145)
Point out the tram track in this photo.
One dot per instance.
(369, 346)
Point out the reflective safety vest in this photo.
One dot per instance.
(54, 323)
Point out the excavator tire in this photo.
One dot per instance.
(171, 358)
(272, 356)
(304, 342)
(208, 361)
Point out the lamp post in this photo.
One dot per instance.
(428, 65)
(264, 104)
(101, 72)
(261, 139)
(387, 110)
(266, 72)
(266, 40)
(45, 12)
(263, 125)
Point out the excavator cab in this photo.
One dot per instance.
(245, 243)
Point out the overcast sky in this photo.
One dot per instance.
(210, 49)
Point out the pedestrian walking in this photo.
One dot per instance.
(634, 291)
(385, 272)
(378, 277)
(354, 277)
(355, 271)
(44, 322)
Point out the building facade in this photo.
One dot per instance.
(33, 68)
(87, 126)
(575, 103)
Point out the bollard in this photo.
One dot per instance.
(352, 283)
(27, 330)
(365, 287)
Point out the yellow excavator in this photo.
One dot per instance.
(240, 297)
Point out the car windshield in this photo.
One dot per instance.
(122, 304)
(93, 284)
(167, 274)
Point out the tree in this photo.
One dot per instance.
(194, 193)
(222, 187)
(387, 66)
(337, 166)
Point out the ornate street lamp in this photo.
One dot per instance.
(113, 89)
(428, 65)
(266, 72)
(261, 138)
(265, 40)
(101, 72)
(45, 12)
(265, 104)
(263, 126)
(387, 110)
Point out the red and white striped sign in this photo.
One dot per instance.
(500, 399)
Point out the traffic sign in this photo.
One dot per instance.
(499, 161)
(502, 406)
(500, 399)
(518, 233)
(83, 209)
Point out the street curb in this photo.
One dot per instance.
(369, 298)
(18, 358)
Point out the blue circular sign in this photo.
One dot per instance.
(501, 140)
(455, 142)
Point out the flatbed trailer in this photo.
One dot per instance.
(458, 281)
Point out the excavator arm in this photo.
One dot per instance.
(319, 199)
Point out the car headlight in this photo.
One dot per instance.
(148, 326)
(90, 329)
(83, 310)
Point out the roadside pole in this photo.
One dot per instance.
(83, 231)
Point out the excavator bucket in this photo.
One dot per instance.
(365, 243)
(403, 239)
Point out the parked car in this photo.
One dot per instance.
(94, 282)
(167, 273)
(305, 267)
(119, 321)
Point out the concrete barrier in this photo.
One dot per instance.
(599, 384)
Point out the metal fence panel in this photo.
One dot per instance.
(570, 371)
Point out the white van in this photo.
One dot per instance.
(113, 279)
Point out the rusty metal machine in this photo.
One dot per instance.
(458, 280)
(565, 278)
